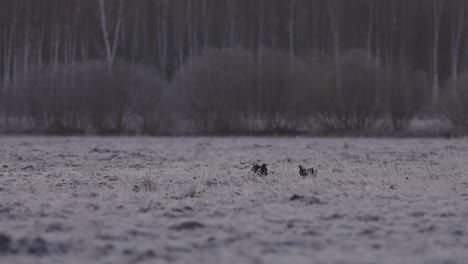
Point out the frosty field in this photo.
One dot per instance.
(194, 200)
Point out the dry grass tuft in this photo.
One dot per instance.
(149, 185)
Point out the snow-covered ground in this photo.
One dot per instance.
(194, 200)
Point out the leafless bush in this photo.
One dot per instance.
(223, 91)
(283, 92)
(360, 101)
(2, 100)
(49, 99)
(88, 95)
(453, 104)
(147, 101)
(406, 94)
(359, 92)
(214, 90)
(322, 96)
(234, 90)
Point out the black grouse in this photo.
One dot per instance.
(306, 172)
(260, 170)
(256, 168)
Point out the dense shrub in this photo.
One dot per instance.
(322, 96)
(2, 102)
(214, 90)
(233, 90)
(407, 93)
(359, 94)
(453, 103)
(50, 99)
(224, 91)
(147, 101)
(350, 92)
(88, 96)
(284, 92)
(361, 101)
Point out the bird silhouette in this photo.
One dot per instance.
(306, 172)
(263, 170)
(260, 170)
(256, 168)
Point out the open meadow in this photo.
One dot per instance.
(195, 200)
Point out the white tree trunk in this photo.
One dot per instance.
(334, 22)
(110, 44)
(436, 16)
(292, 6)
(458, 27)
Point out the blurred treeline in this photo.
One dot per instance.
(231, 66)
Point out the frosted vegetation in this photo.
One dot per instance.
(154, 67)
(195, 200)
(231, 91)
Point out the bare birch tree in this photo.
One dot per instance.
(437, 6)
(459, 19)
(110, 35)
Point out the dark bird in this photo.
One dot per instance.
(256, 168)
(260, 170)
(306, 172)
(263, 170)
